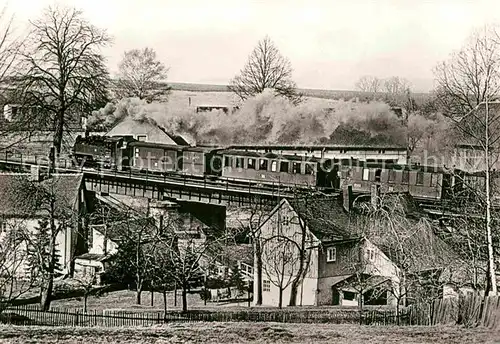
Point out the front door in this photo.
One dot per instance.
(335, 296)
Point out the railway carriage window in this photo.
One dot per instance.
(137, 152)
(405, 177)
(274, 165)
(296, 167)
(378, 174)
(420, 178)
(263, 164)
(392, 175)
(284, 166)
(309, 168)
(251, 163)
(366, 174)
(239, 162)
(228, 161)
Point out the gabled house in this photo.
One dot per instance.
(347, 260)
(145, 130)
(337, 260)
(22, 215)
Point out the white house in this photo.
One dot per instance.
(337, 260)
(21, 215)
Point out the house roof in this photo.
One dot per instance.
(129, 124)
(367, 282)
(324, 216)
(20, 197)
(93, 256)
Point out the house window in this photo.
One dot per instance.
(349, 295)
(239, 162)
(370, 255)
(263, 164)
(284, 166)
(228, 161)
(285, 220)
(266, 285)
(420, 178)
(141, 137)
(309, 168)
(406, 177)
(366, 174)
(434, 179)
(3, 226)
(392, 175)
(274, 165)
(296, 167)
(331, 254)
(251, 163)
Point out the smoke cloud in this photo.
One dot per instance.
(266, 118)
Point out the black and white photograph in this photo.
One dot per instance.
(249, 171)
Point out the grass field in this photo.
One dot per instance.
(249, 333)
(125, 300)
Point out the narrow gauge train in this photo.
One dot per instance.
(422, 182)
(100, 151)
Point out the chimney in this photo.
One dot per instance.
(35, 173)
(347, 198)
(375, 194)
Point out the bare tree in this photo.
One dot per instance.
(470, 76)
(265, 68)
(466, 84)
(419, 255)
(281, 257)
(87, 283)
(369, 84)
(64, 73)
(141, 76)
(9, 45)
(133, 262)
(396, 85)
(14, 281)
(161, 272)
(250, 219)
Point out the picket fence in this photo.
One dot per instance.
(470, 311)
(32, 315)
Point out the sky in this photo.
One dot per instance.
(330, 43)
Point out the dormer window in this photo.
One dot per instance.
(331, 254)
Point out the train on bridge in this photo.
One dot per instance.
(266, 168)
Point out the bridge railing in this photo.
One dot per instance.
(186, 179)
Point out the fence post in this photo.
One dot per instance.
(76, 318)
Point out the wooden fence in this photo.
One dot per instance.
(469, 311)
(31, 315)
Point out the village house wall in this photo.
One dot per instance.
(65, 243)
(288, 223)
(101, 246)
